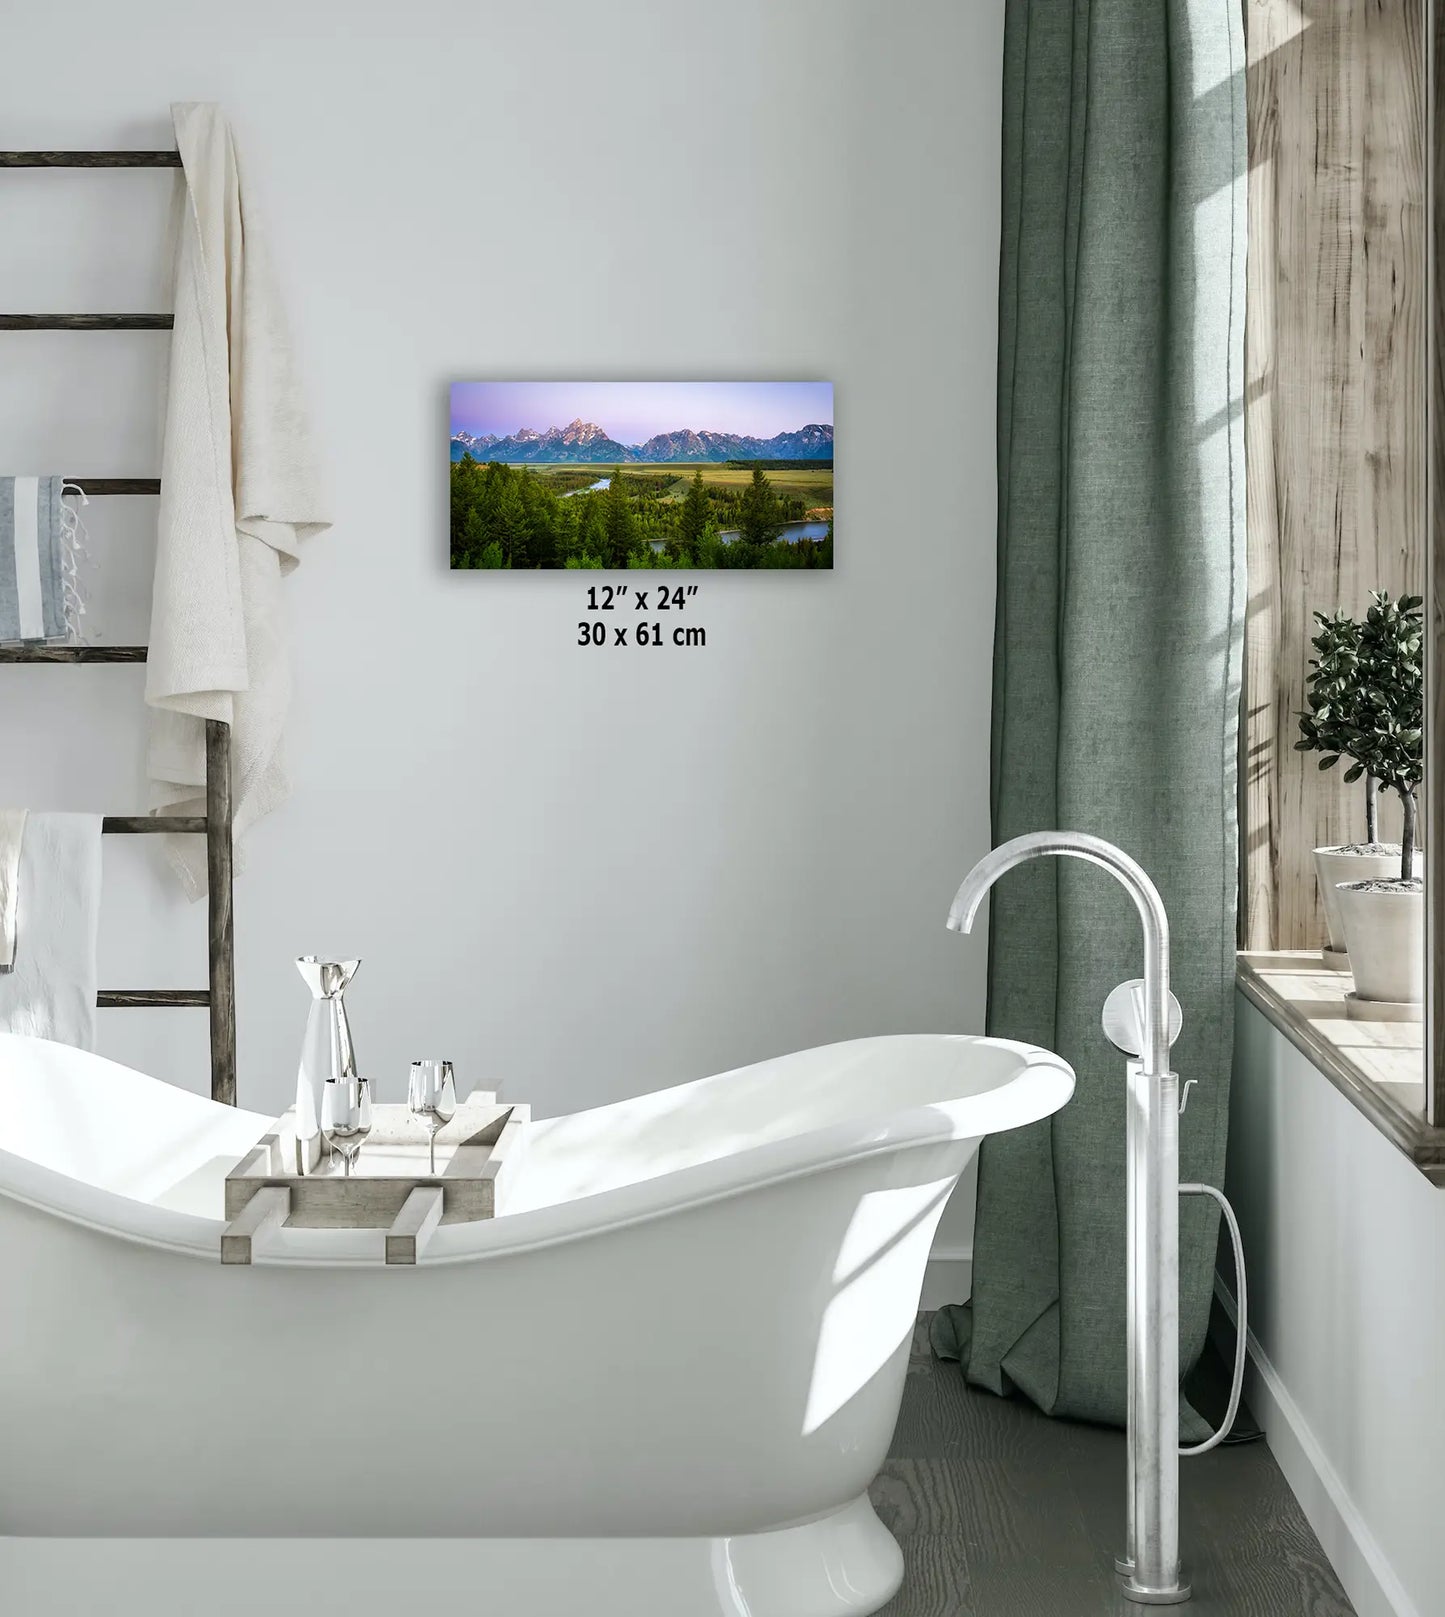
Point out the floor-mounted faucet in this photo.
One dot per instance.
(1150, 1565)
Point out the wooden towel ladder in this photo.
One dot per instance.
(215, 824)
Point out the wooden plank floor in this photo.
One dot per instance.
(1003, 1513)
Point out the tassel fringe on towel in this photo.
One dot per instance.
(42, 549)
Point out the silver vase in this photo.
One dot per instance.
(326, 1051)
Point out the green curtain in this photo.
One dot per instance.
(1117, 646)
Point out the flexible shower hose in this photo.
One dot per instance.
(1242, 1321)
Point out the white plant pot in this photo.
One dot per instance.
(1336, 865)
(1385, 934)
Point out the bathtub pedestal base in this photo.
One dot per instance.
(844, 1565)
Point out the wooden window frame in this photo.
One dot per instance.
(1345, 436)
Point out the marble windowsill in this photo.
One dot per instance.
(1378, 1066)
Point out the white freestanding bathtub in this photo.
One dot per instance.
(659, 1385)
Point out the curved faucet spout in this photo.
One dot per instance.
(1154, 1057)
(1152, 1110)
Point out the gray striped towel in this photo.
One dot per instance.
(38, 536)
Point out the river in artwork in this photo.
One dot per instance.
(792, 532)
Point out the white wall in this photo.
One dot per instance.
(584, 873)
(1345, 1243)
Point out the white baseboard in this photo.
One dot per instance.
(949, 1278)
(1359, 1562)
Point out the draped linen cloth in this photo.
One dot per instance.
(1117, 647)
(12, 834)
(49, 990)
(240, 493)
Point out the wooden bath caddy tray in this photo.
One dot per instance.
(389, 1188)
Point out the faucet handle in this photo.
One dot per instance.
(1123, 1018)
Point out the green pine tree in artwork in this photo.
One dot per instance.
(542, 529)
(593, 533)
(473, 534)
(619, 522)
(568, 534)
(512, 525)
(759, 520)
(693, 524)
(710, 549)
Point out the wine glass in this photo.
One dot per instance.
(431, 1095)
(346, 1117)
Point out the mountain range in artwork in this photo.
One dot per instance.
(585, 443)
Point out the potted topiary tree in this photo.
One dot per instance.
(1381, 730)
(1323, 729)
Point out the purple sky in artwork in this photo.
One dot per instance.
(632, 412)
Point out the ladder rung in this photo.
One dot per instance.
(152, 824)
(118, 485)
(133, 998)
(72, 654)
(113, 159)
(86, 322)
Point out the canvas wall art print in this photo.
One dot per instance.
(675, 475)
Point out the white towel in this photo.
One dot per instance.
(50, 993)
(12, 829)
(240, 491)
